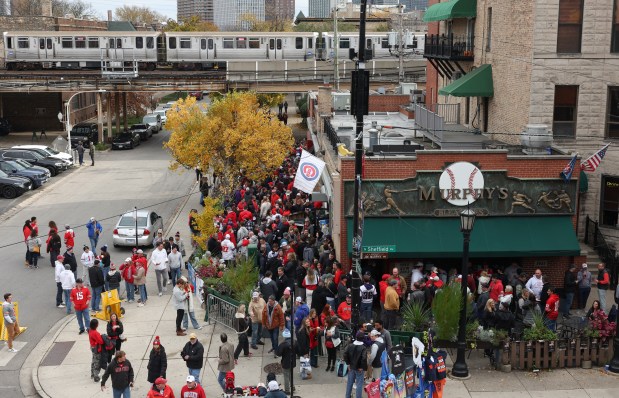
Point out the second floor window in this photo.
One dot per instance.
(569, 32)
(615, 29)
(565, 110)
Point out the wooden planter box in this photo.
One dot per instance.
(568, 353)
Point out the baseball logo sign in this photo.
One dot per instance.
(461, 183)
(310, 172)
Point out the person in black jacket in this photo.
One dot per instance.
(241, 324)
(113, 279)
(115, 329)
(193, 354)
(268, 287)
(121, 372)
(97, 281)
(569, 288)
(157, 362)
(289, 359)
(303, 340)
(69, 258)
(356, 358)
(54, 244)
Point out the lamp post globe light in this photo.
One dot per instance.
(467, 220)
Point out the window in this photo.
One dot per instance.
(228, 42)
(310, 42)
(279, 44)
(210, 44)
(67, 42)
(368, 43)
(93, 42)
(612, 118)
(49, 44)
(80, 42)
(615, 29)
(139, 42)
(298, 43)
(384, 43)
(565, 111)
(185, 42)
(609, 211)
(150, 42)
(41, 44)
(22, 42)
(489, 29)
(9, 42)
(202, 44)
(172, 43)
(254, 42)
(241, 42)
(344, 42)
(569, 32)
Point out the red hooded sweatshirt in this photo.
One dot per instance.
(382, 286)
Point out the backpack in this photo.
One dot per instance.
(108, 344)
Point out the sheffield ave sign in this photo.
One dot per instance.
(444, 193)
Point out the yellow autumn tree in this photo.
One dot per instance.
(235, 136)
(205, 219)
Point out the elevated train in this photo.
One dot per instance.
(25, 50)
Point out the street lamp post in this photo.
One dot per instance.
(614, 363)
(67, 120)
(467, 220)
(137, 245)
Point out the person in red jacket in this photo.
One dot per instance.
(69, 236)
(160, 389)
(344, 310)
(96, 346)
(552, 309)
(80, 297)
(603, 281)
(496, 287)
(192, 389)
(382, 286)
(127, 269)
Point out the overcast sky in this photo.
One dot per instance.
(165, 7)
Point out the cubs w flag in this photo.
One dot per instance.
(308, 173)
(566, 174)
(594, 161)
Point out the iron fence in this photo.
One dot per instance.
(220, 309)
(607, 253)
(331, 134)
(456, 47)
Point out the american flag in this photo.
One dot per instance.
(594, 161)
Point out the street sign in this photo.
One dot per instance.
(379, 249)
(374, 256)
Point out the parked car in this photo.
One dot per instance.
(153, 120)
(47, 152)
(20, 168)
(5, 127)
(197, 94)
(126, 140)
(54, 166)
(148, 223)
(85, 132)
(144, 130)
(12, 187)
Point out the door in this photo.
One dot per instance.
(45, 48)
(115, 49)
(206, 46)
(274, 50)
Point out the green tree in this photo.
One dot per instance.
(139, 14)
(190, 24)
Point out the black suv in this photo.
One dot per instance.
(5, 127)
(54, 166)
(85, 132)
(12, 187)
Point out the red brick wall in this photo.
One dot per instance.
(521, 166)
(387, 103)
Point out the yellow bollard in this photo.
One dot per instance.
(4, 334)
(110, 304)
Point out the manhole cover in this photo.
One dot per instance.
(274, 368)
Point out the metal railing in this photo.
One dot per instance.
(607, 253)
(220, 309)
(456, 47)
(429, 121)
(449, 112)
(331, 134)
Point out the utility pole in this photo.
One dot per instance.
(359, 96)
(401, 42)
(336, 68)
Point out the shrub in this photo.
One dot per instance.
(237, 281)
(416, 317)
(446, 309)
(539, 330)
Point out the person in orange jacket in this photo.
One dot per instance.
(160, 389)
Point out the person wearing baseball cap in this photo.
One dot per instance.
(274, 391)
(58, 268)
(160, 389)
(94, 232)
(583, 279)
(192, 389)
(193, 354)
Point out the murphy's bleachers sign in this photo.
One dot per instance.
(444, 193)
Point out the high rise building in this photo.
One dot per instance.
(321, 8)
(201, 8)
(278, 10)
(5, 7)
(229, 14)
(410, 4)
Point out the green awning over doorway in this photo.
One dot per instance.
(477, 83)
(450, 10)
(491, 237)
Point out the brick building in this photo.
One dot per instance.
(553, 62)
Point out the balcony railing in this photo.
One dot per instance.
(454, 47)
(434, 118)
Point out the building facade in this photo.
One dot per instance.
(553, 62)
(279, 10)
(229, 15)
(201, 8)
(320, 8)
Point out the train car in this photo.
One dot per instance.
(202, 49)
(381, 45)
(76, 50)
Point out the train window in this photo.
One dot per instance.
(49, 44)
(119, 42)
(41, 44)
(228, 42)
(93, 42)
(298, 43)
(172, 44)
(23, 42)
(67, 42)
(203, 44)
(279, 44)
(210, 44)
(185, 42)
(344, 42)
(241, 42)
(368, 43)
(254, 42)
(272, 44)
(139, 42)
(384, 43)
(9, 42)
(310, 42)
(80, 42)
(150, 42)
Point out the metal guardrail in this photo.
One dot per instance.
(456, 47)
(220, 309)
(429, 121)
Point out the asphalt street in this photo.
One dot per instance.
(119, 181)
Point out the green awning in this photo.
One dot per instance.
(450, 10)
(477, 83)
(583, 184)
(491, 237)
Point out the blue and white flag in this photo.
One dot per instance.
(308, 173)
(566, 174)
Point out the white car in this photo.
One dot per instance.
(148, 224)
(162, 113)
(47, 151)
